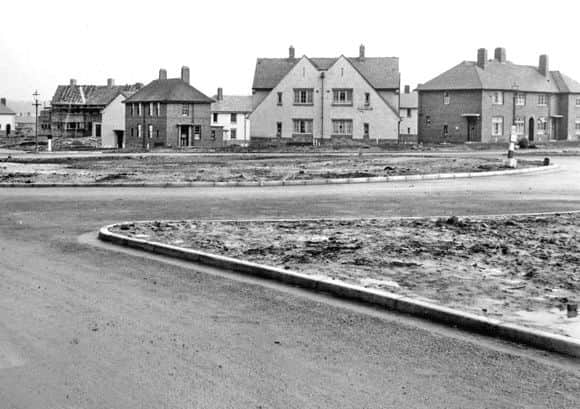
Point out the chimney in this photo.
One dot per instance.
(3, 101)
(481, 58)
(73, 82)
(291, 53)
(185, 74)
(500, 55)
(407, 89)
(220, 94)
(361, 52)
(110, 82)
(162, 74)
(544, 66)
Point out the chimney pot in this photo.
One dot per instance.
(220, 94)
(110, 82)
(73, 82)
(291, 52)
(361, 52)
(3, 101)
(500, 54)
(407, 89)
(162, 74)
(544, 66)
(482, 58)
(185, 74)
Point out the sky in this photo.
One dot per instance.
(46, 43)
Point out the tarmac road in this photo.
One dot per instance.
(85, 326)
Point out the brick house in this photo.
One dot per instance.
(479, 101)
(314, 100)
(232, 112)
(409, 113)
(78, 111)
(170, 113)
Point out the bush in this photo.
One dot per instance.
(523, 143)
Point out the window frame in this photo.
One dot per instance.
(233, 118)
(367, 99)
(497, 97)
(542, 126)
(520, 124)
(446, 98)
(184, 109)
(348, 96)
(303, 96)
(497, 120)
(278, 129)
(520, 99)
(542, 100)
(233, 134)
(139, 131)
(215, 117)
(345, 127)
(280, 98)
(307, 122)
(366, 130)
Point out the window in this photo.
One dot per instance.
(278, 129)
(521, 100)
(215, 117)
(428, 120)
(578, 101)
(342, 127)
(279, 98)
(497, 126)
(157, 133)
(497, 97)
(213, 134)
(366, 130)
(542, 100)
(542, 126)
(151, 109)
(445, 131)
(185, 110)
(233, 134)
(303, 96)
(520, 126)
(159, 109)
(302, 126)
(139, 109)
(233, 118)
(577, 127)
(71, 125)
(131, 106)
(409, 113)
(409, 131)
(132, 133)
(150, 131)
(367, 98)
(197, 132)
(139, 131)
(342, 96)
(446, 98)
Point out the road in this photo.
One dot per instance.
(84, 325)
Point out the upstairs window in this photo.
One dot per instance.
(303, 126)
(342, 126)
(367, 98)
(131, 107)
(303, 96)
(185, 110)
(151, 109)
(497, 97)
(521, 100)
(542, 100)
(215, 117)
(446, 98)
(409, 113)
(233, 119)
(159, 109)
(139, 109)
(279, 98)
(342, 96)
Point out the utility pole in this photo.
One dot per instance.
(36, 104)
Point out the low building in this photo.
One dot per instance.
(25, 124)
(170, 113)
(480, 101)
(409, 113)
(96, 111)
(325, 100)
(232, 112)
(7, 119)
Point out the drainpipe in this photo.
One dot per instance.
(322, 106)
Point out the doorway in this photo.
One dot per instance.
(98, 130)
(184, 135)
(472, 129)
(531, 130)
(120, 139)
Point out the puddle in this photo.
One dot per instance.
(554, 319)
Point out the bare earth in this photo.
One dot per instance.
(167, 169)
(519, 269)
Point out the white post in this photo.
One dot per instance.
(511, 161)
(49, 146)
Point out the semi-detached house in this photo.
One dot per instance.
(319, 100)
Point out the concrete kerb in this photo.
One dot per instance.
(463, 320)
(295, 182)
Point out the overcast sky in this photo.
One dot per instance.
(45, 43)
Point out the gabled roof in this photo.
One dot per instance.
(4, 110)
(169, 90)
(380, 72)
(233, 103)
(410, 100)
(100, 95)
(500, 76)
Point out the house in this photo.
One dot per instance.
(409, 113)
(170, 113)
(480, 101)
(232, 112)
(7, 119)
(25, 124)
(321, 100)
(90, 111)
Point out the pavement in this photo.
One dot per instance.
(85, 325)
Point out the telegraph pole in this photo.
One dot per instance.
(36, 104)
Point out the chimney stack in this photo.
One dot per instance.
(544, 65)
(3, 101)
(185, 74)
(481, 58)
(500, 55)
(361, 52)
(407, 89)
(220, 94)
(291, 52)
(73, 82)
(162, 74)
(110, 82)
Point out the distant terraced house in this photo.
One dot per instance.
(480, 101)
(321, 100)
(97, 111)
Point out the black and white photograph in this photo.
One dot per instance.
(289, 205)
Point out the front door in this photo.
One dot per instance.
(184, 135)
(120, 141)
(531, 130)
(472, 129)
